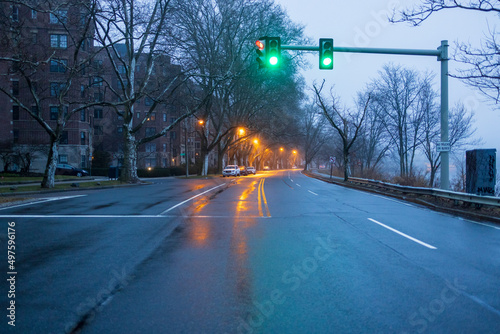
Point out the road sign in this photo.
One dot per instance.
(332, 160)
(443, 146)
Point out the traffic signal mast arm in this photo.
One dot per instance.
(410, 52)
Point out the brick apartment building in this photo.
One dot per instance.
(40, 71)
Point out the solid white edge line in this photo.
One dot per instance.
(402, 234)
(313, 193)
(190, 199)
(43, 200)
(394, 200)
(82, 216)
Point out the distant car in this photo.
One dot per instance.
(243, 171)
(231, 170)
(251, 170)
(65, 169)
(267, 168)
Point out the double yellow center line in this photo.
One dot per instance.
(263, 208)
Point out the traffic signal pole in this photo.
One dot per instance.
(442, 55)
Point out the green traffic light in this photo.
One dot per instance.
(273, 60)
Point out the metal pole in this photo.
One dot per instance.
(445, 156)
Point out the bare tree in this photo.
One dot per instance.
(131, 35)
(216, 43)
(396, 93)
(483, 68)
(347, 123)
(374, 142)
(314, 133)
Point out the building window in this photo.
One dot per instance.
(98, 97)
(152, 117)
(138, 114)
(58, 65)
(150, 131)
(82, 115)
(98, 113)
(164, 117)
(83, 163)
(15, 13)
(35, 110)
(151, 147)
(150, 162)
(64, 138)
(97, 81)
(58, 41)
(119, 129)
(164, 147)
(15, 88)
(98, 130)
(34, 14)
(56, 88)
(63, 159)
(172, 135)
(15, 113)
(148, 101)
(59, 17)
(82, 138)
(82, 91)
(16, 136)
(54, 113)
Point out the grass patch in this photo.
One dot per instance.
(24, 179)
(63, 186)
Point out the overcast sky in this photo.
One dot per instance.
(363, 23)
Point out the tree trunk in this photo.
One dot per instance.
(50, 169)
(205, 165)
(346, 165)
(129, 169)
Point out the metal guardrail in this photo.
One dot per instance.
(467, 198)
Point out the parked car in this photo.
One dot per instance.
(65, 169)
(251, 170)
(243, 171)
(231, 170)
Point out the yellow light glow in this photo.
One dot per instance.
(256, 141)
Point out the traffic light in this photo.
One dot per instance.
(261, 49)
(273, 52)
(268, 52)
(325, 53)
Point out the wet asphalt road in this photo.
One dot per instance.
(272, 253)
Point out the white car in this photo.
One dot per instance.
(231, 170)
(251, 170)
